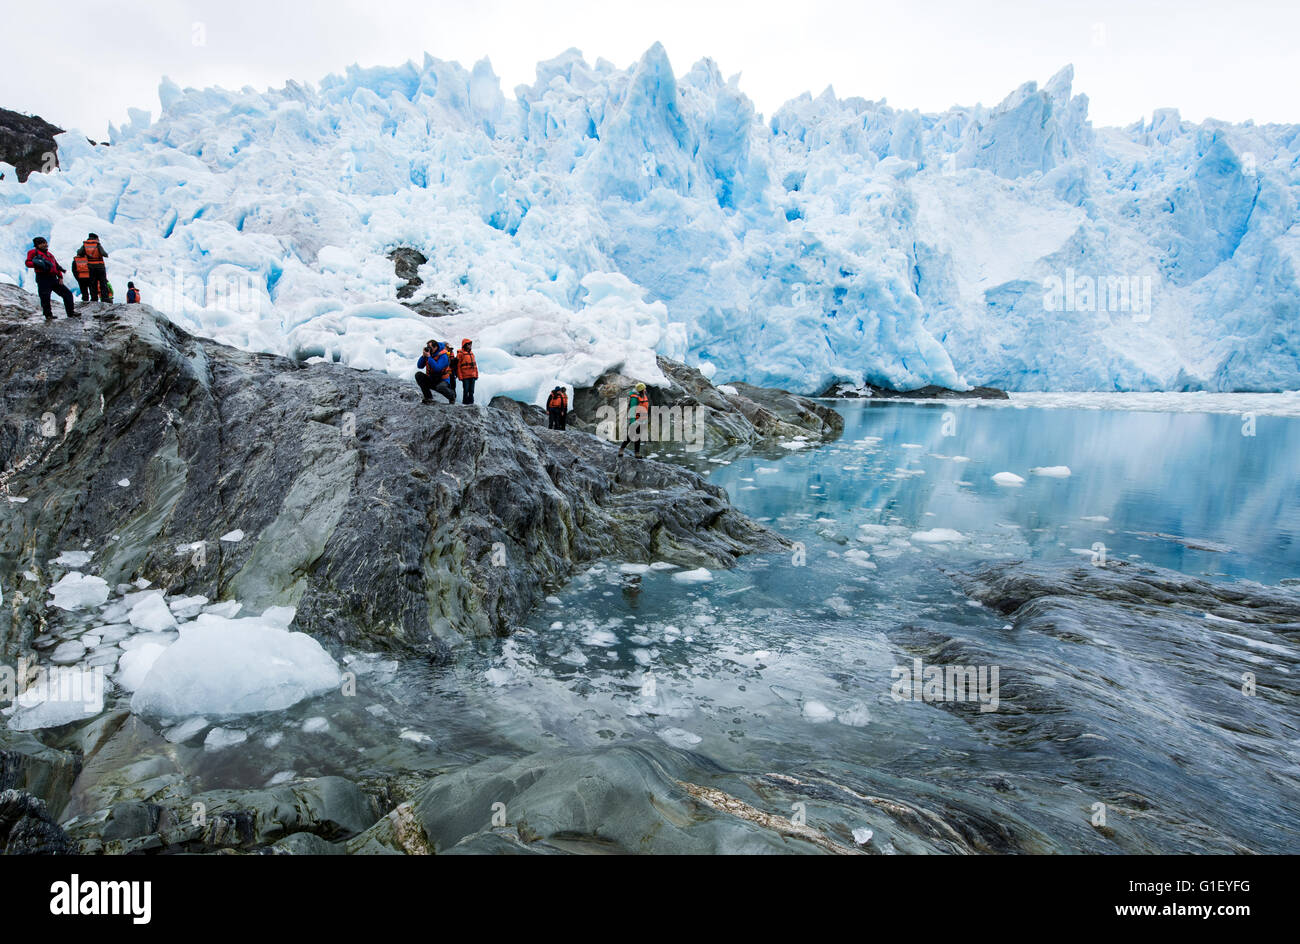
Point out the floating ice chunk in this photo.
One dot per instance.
(698, 575)
(220, 738)
(1051, 471)
(225, 667)
(152, 613)
(1008, 479)
(136, 664)
(57, 696)
(76, 591)
(817, 713)
(663, 565)
(141, 583)
(185, 730)
(65, 653)
(233, 537)
(185, 607)
(857, 715)
(315, 725)
(554, 601)
(73, 558)
(862, 835)
(600, 637)
(679, 737)
(794, 444)
(938, 536)
(859, 557)
(633, 568)
(228, 609)
(281, 616)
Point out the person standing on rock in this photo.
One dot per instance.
(638, 419)
(132, 294)
(434, 367)
(557, 408)
(95, 257)
(466, 370)
(81, 272)
(451, 368)
(49, 277)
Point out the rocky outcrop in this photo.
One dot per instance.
(728, 414)
(387, 523)
(406, 264)
(27, 142)
(929, 392)
(27, 829)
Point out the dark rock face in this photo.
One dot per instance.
(389, 524)
(928, 392)
(406, 264)
(27, 829)
(730, 414)
(27, 142)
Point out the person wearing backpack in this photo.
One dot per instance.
(132, 294)
(466, 370)
(49, 277)
(81, 272)
(433, 370)
(557, 408)
(96, 257)
(451, 368)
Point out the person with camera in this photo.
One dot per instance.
(433, 371)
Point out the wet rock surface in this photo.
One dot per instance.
(388, 523)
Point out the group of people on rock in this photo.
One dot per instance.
(440, 367)
(89, 268)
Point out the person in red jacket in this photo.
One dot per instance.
(49, 277)
(466, 370)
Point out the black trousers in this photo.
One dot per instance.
(467, 390)
(556, 418)
(84, 286)
(43, 289)
(428, 387)
(98, 283)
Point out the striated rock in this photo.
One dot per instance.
(387, 523)
(928, 392)
(730, 413)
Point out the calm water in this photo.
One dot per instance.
(783, 666)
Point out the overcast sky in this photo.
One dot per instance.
(83, 64)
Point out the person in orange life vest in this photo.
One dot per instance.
(466, 370)
(81, 272)
(96, 255)
(132, 294)
(434, 368)
(49, 277)
(557, 408)
(638, 419)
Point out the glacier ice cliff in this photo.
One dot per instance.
(601, 216)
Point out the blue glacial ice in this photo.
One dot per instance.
(602, 215)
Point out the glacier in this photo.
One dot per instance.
(601, 216)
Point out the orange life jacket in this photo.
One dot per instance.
(642, 407)
(80, 267)
(466, 365)
(132, 296)
(94, 255)
(559, 400)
